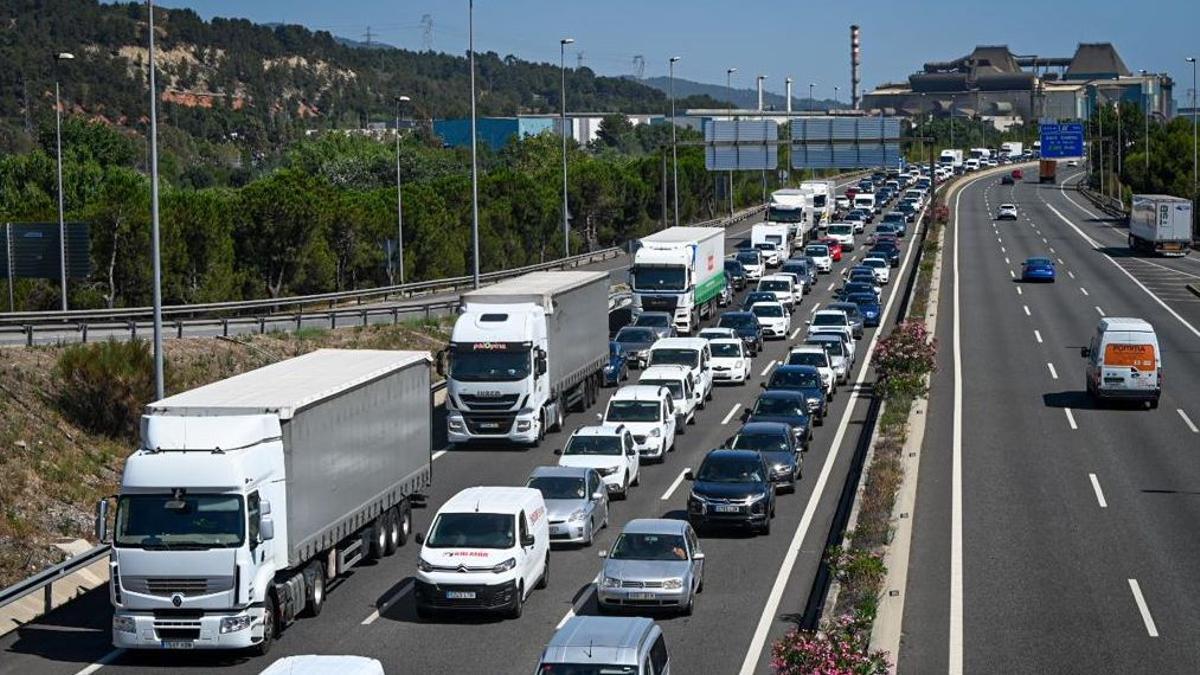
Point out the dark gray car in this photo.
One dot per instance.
(636, 341)
(663, 323)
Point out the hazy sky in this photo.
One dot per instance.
(805, 40)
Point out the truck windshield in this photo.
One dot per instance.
(632, 411)
(659, 278)
(472, 530)
(777, 215)
(675, 357)
(489, 366)
(188, 521)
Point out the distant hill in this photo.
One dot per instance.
(742, 98)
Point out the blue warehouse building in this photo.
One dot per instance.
(494, 132)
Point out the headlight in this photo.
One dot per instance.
(456, 425)
(232, 624)
(505, 566)
(609, 470)
(578, 516)
(612, 582)
(424, 566)
(673, 584)
(655, 432)
(756, 498)
(126, 624)
(524, 425)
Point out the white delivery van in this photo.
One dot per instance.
(682, 385)
(866, 202)
(487, 548)
(1124, 361)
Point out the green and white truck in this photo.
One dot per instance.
(680, 270)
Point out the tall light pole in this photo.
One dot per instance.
(812, 105)
(1146, 98)
(835, 95)
(62, 223)
(729, 88)
(400, 100)
(674, 155)
(474, 158)
(562, 63)
(1195, 175)
(155, 256)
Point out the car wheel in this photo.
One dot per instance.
(637, 480)
(691, 603)
(518, 603)
(765, 528)
(591, 535)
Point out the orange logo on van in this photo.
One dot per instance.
(1139, 357)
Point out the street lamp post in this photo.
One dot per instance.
(1146, 98)
(399, 193)
(562, 63)
(729, 89)
(836, 101)
(155, 255)
(474, 153)
(812, 104)
(1195, 176)
(62, 224)
(674, 155)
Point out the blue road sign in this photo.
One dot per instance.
(1062, 140)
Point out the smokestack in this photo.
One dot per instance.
(855, 62)
(788, 84)
(760, 91)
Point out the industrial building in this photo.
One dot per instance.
(495, 132)
(993, 84)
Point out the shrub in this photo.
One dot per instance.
(843, 648)
(103, 386)
(904, 358)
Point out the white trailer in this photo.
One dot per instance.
(680, 270)
(793, 207)
(1160, 224)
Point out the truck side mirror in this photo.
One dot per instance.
(266, 528)
(264, 507)
(102, 521)
(539, 363)
(439, 362)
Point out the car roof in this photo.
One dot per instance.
(655, 526)
(766, 304)
(653, 313)
(776, 427)
(681, 343)
(873, 257)
(600, 430)
(806, 349)
(726, 341)
(866, 295)
(669, 371)
(1125, 323)
(812, 370)
(599, 640)
(829, 311)
(726, 453)
(1039, 260)
(736, 313)
(499, 499)
(776, 277)
(560, 472)
(781, 393)
(640, 392)
(843, 306)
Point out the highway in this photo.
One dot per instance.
(1049, 535)
(752, 584)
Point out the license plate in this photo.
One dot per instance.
(178, 644)
(460, 595)
(489, 425)
(727, 508)
(641, 596)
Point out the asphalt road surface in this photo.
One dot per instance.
(1050, 535)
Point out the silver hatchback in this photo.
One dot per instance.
(655, 564)
(576, 502)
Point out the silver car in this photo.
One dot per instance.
(654, 564)
(576, 502)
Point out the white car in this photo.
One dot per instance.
(858, 221)
(1072, 162)
(817, 357)
(771, 254)
(752, 262)
(681, 383)
(820, 255)
(881, 268)
(843, 233)
(609, 450)
(841, 203)
(783, 286)
(649, 414)
(1007, 212)
(690, 352)
(774, 318)
(730, 360)
(830, 319)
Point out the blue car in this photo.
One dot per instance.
(803, 379)
(747, 327)
(1037, 269)
(732, 487)
(868, 305)
(788, 407)
(617, 368)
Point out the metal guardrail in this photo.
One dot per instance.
(1110, 205)
(44, 580)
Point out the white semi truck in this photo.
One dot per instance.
(1012, 149)
(821, 196)
(522, 351)
(795, 208)
(1160, 224)
(249, 495)
(680, 270)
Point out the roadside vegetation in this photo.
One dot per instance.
(69, 416)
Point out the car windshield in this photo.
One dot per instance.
(632, 411)
(863, 299)
(760, 442)
(817, 251)
(832, 347)
(468, 365)
(808, 359)
(730, 470)
(586, 669)
(733, 267)
(171, 521)
(593, 445)
(559, 487)
(736, 321)
(773, 285)
(472, 530)
(658, 278)
(765, 246)
(767, 310)
(635, 335)
(770, 405)
(671, 356)
(653, 320)
(794, 378)
(1039, 262)
(639, 546)
(799, 269)
(777, 215)
(726, 349)
(841, 230)
(829, 320)
(848, 308)
(875, 262)
(749, 258)
(675, 386)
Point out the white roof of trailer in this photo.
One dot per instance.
(290, 385)
(679, 235)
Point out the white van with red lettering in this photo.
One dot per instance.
(487, 548)
(1124, 361)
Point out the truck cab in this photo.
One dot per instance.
(680, 270)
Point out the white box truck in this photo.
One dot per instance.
(522, 351)
(680, 270)
(1012, 149)
(952, 158)
(772, 234)
(249, 495)
(793, 207)
(1160, 224)
(822, 193)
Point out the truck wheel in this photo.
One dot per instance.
(560, 413)
(378, 537)
(395, 534)
(269, 623)
(314, 577)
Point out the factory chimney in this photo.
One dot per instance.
(855, 62)
(788, 86)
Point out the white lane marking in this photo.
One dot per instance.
(1060, 262)
(1083, 290)
(1007, 261)
(1044, 241)
(1151, 629)
(675, 484)
(768, 368)
(1019, 291)
(1026, 308)
(101, 662)
(583, 598)
(1070, 418)
(1053, 372)
(1070, 274)
(1052, 249)
(1037, 334)
(1012, 274)
(1099, 311)
(387, 604)
(771, 608)
(1099, 492)
(1003, 250)
(438, 454)
(831, 286)
(795, 333)
(1187, 420)
(814, 308)
(732, 412)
